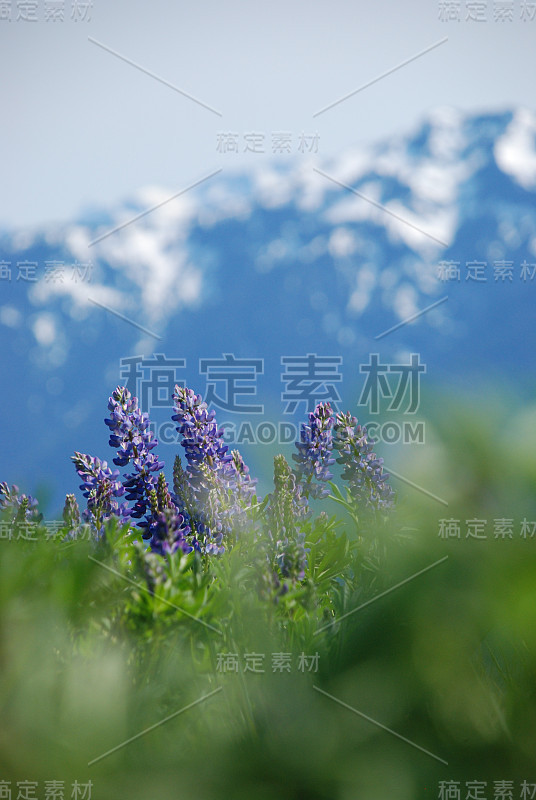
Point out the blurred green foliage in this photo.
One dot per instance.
(89, 658)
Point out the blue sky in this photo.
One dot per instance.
(83, 128)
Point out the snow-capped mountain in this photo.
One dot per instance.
(276, 262)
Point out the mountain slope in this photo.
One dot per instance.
(320, 259)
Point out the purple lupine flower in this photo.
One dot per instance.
(362, 468)
(206, 486)
(314, 452)
(22, 507)
(202, 439)
(169, 533)
(129, 427)
(291, 557)
(101, 487)
(130, 435)
(226, 498)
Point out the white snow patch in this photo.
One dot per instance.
(446, 138)
(405, 301)
(44, 328)
(272, 188)
(23, 240)
(10, 316)
(353, 208)
(365, 283)
(342, 243)
(424, 232)
(515, 151)
(41, 292)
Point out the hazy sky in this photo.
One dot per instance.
(82, 128)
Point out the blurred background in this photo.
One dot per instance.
(180, 184)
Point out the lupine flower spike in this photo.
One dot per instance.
(362, 468)
(314, 452)
(134, 442)
(101, 487)
(208, 486)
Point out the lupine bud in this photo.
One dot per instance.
(286, 509)
(71, 514)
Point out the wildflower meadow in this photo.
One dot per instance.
(180, 636)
